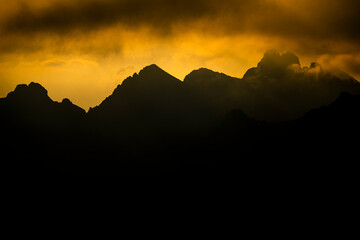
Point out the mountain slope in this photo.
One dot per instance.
(284, 90)
(154, 104)
(154, 123)
(29, 107)
(278, 89)
(150, 104)
(40, 137)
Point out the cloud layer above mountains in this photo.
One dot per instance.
(310, 19)
(228, 36)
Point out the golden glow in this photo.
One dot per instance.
(85, 65)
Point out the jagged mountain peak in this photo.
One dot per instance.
(153, 72)
(150, 75)
(151, 68)
(33, 87)
(151, 84)
(33, 91)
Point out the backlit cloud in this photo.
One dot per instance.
(179, 35)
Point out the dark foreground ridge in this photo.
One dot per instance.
(280, 120)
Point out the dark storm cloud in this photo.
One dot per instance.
(310, 27)
(309, 19)
(92, 14)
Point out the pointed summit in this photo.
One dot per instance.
(153, 73)
(152, 86)
(151, 76)
(151, 68)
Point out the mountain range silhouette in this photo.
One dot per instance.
(279, 119)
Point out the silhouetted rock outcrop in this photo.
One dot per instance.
(39, 133)
(31, 104)
(279, 89)
(152, 104)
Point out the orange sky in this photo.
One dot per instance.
(81, 50)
